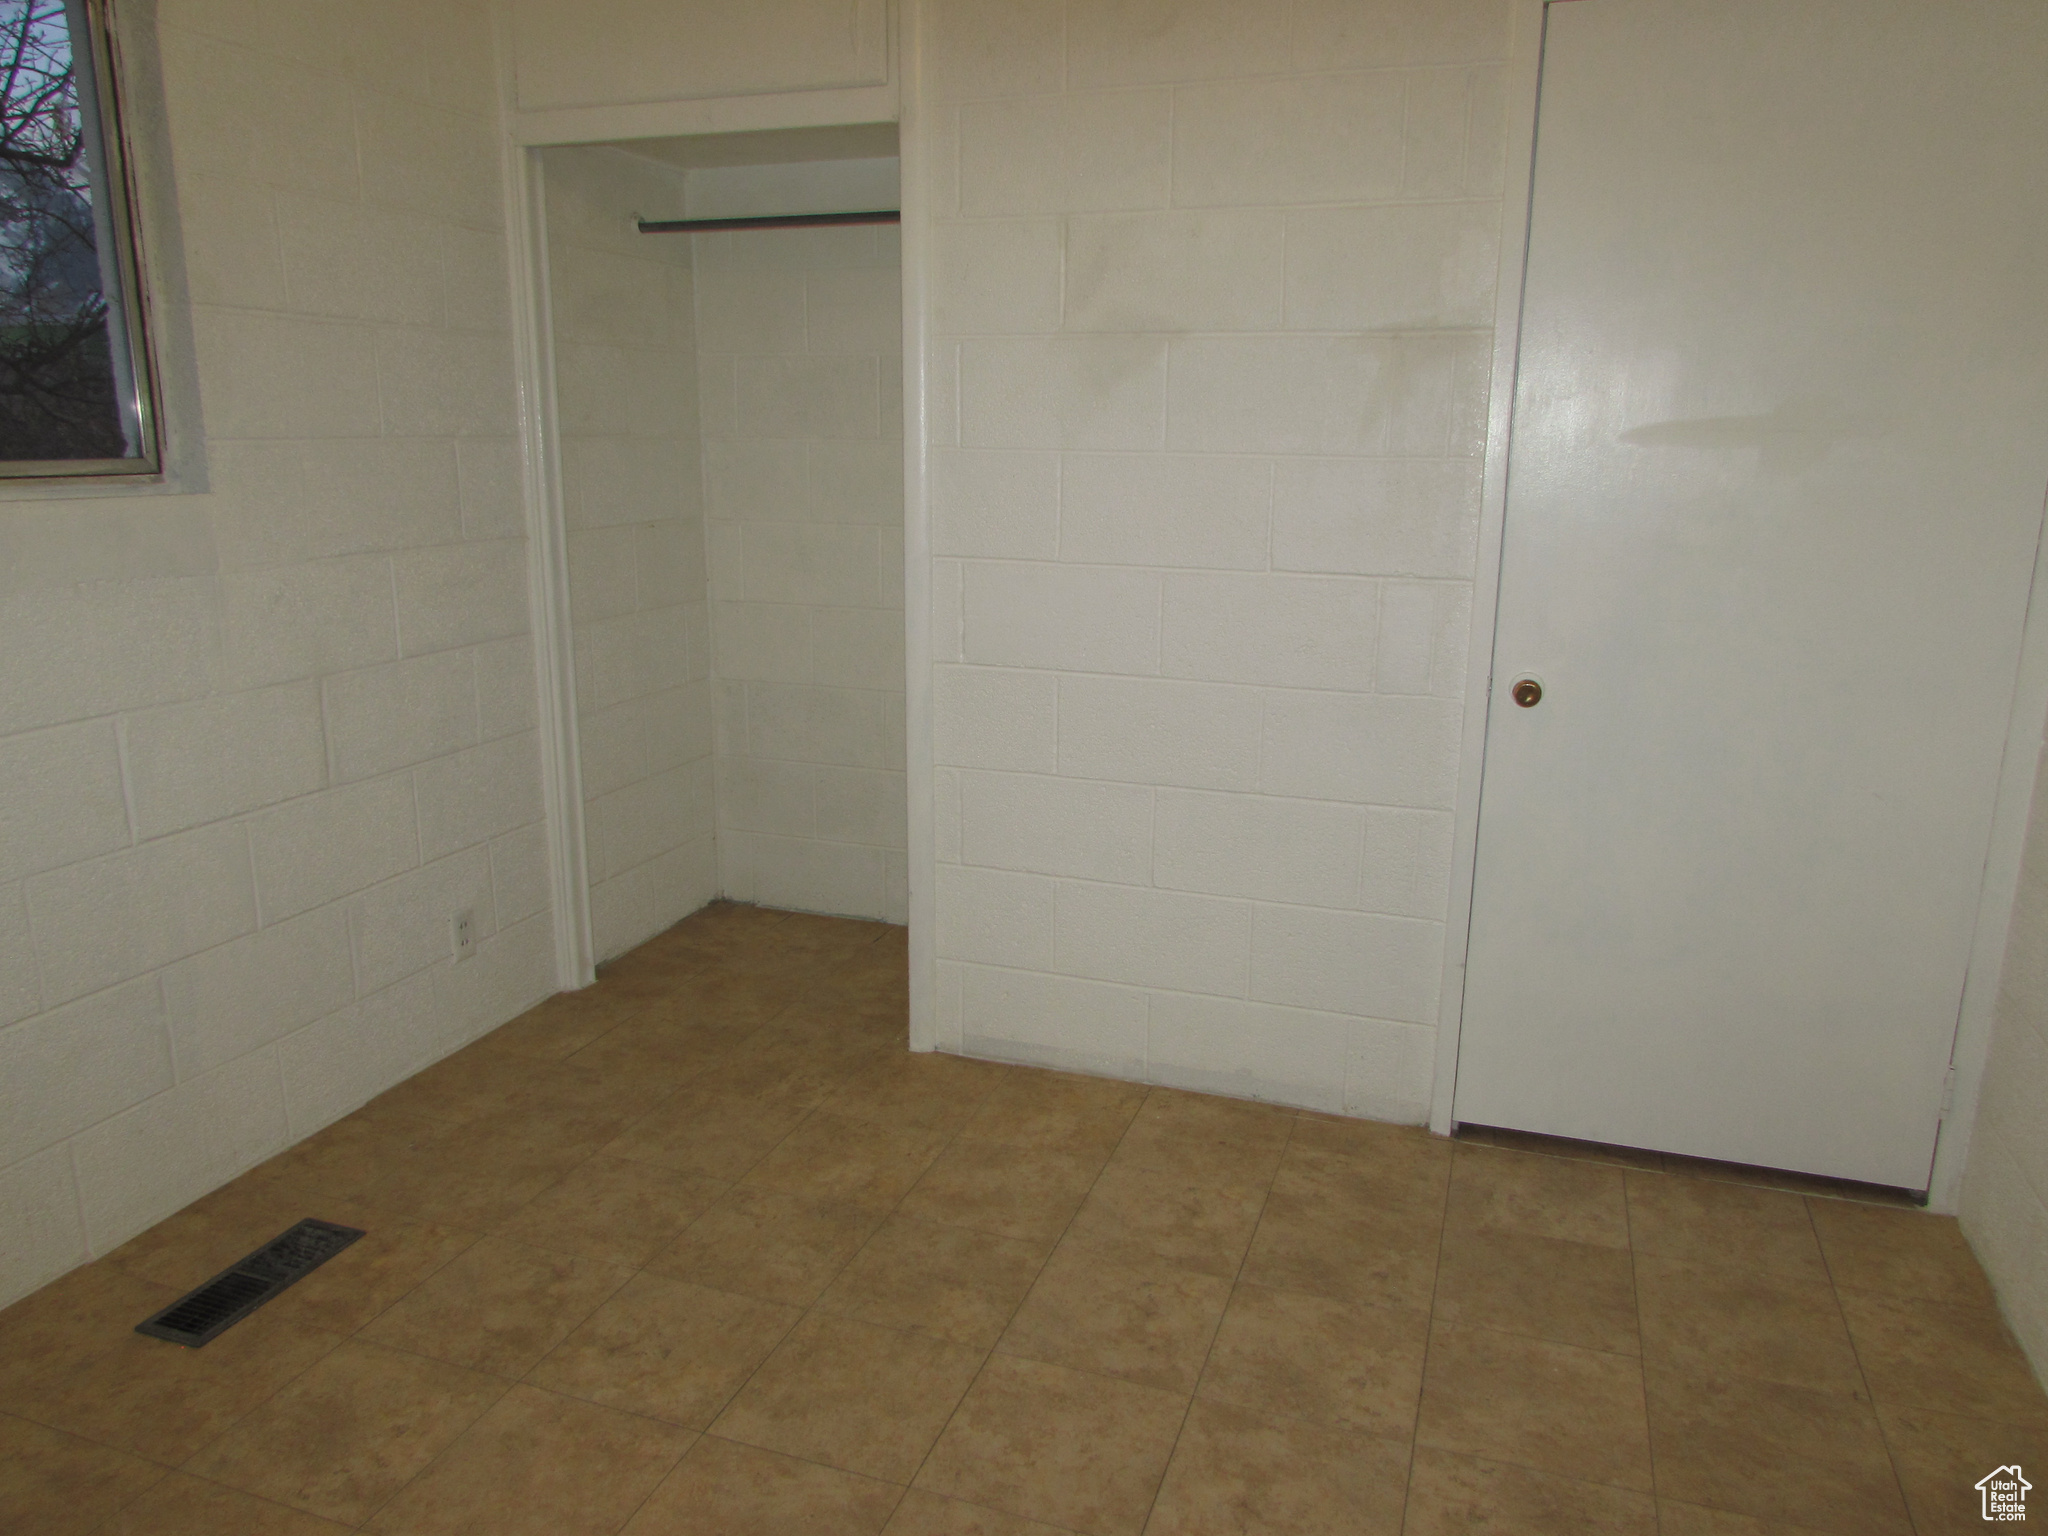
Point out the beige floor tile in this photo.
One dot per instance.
(70, 1358)
(1784, 1181)
(722, 1489)
(1941, 1456)
(1198, 1135)
(926, 1514)
(1241, 1472)
(769, 1243)
(830, 1157)
(1453, 1495)
(614, 1211)
(1057, 1112)
(800, 1066)
(1009, 1191)
(470, 1084)
(654, 1049)
(951, 1282)
(709, 1132)
(359, 1150)
(1385, 1260)
(54, 1484)
(348, 1434)
(1196, 1220)
(1339, 1364)
(724, 997)
(562, 1025)
(1550, 1407)
(1813, 1459)
(498, 1307)
(1575, 1201)
(1568, 1293)
(1601, 1152)
(861, 1017)
(1900, 1254)
(1064, 1447)
(837, 1039)
(852, 1395)
(481, 1084)
(1700, 1222)
(925, 1089)
(193, 1245)
(609, 1128)
(802, 977)
(182, 1505)
(393, 1255)
(1757, 1324)
(1917, 1354)
(661, 955)
(1398, 1176)
(715, 932)
(538, 1465)
(1150, 1323)
(1375, 1139)
(667, 1349)
(866, 1000)
(824, 935)
(473, 1175)
(45, 1335)
(1678, 1519)
(391, 1259)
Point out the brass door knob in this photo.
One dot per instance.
(1527, 692)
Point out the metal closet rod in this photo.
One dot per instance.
(770, 221)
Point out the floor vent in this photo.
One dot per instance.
(204, 1314)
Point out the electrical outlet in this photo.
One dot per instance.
(462, 927)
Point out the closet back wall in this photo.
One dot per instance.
(800, 359)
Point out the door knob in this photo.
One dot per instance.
(1527, 692)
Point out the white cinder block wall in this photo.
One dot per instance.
(1212, 307)
(258, 745)
(2005, 1192)
(801, 356)
(626, 397)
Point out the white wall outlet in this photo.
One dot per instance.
(462, 928)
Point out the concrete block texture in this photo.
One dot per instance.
(219, 926)
(1213, 307)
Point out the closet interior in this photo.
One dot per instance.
(729, 409)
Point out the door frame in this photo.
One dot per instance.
(2027, 722)
(547, 563)
(522, 141)
(1524, 71)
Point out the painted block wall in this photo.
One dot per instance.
(623, 315)
(800, 336)
(2005, 1191)
(1212, 305)
(259, 744)
(624, 52)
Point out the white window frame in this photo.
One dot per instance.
(97, 67)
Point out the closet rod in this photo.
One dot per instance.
(769, 221)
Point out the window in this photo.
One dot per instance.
(75, 386)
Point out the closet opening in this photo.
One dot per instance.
(728, 416)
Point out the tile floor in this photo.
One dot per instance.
(703, 1250)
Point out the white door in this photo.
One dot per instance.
(1779, 452)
